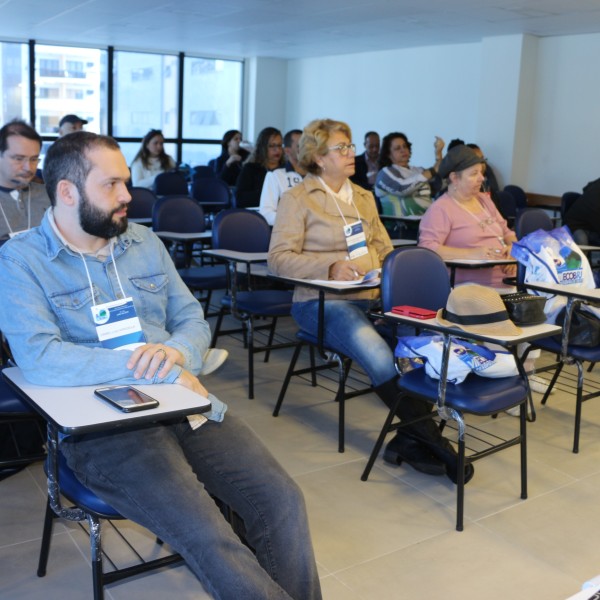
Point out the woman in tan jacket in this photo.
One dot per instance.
(328, 228)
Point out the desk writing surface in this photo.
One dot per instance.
(235, 256)
(184, 237)
(478, 262)
(77, 410)
(575, 291)
(528, 333)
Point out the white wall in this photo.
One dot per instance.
(532, 104)
(266, 89)
(565, 143)
(422, 92)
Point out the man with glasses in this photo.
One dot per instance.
(22, 200)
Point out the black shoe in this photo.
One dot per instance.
(406, 449)
(445, 452)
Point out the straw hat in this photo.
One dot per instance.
(477, 309)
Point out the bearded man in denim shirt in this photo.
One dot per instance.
(85, 255)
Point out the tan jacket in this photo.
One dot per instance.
(308, 236)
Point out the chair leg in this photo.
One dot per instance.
(250, 337)
(340, 397)
(217, 329)
(382, 434)
(96, 551)
(578, 404)
(591, 367)
(313, 370)
(288, 377)
(271, 337)
(523, 431)
(460, 486)
(552, 382)
(46, 539)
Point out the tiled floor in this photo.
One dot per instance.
(392, 537)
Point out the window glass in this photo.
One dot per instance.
(212, 98)
(14, 81)
(130, 149)
(199, 154)
(145, 95)
(70, 80)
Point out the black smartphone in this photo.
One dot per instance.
(126, 398)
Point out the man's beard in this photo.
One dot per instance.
(98, 223)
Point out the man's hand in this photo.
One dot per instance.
(186, 379)
(147, 359)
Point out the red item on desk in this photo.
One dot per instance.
(414, 311)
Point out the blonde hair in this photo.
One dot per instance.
(315, 142)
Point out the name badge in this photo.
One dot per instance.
(117, 325)
(355, 240)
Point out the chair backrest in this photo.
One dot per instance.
(179, 214)
(567, 200)
(507, 205)
(241, 230)
(201, 171)
(530, 220)
(170, 183)
(142, 202)
(518, 193)
(211, 191)
(415, 277)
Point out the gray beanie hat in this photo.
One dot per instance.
(459, 158)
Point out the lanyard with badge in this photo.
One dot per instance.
(117, 325)
(354, 233)
(16, 196)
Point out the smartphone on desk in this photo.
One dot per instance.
(126, 398)
(414, 311)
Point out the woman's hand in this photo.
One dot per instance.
(147, 359)
(189, 381)
(233, 158)
(438, 146)
(345, 270)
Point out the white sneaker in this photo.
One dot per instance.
(213, 359)
(539, 385)
(515, 411)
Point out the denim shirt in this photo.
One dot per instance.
(45, 308)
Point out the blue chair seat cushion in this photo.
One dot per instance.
(210, 277)
(10, 403)
(581, 353)
(265, 303)
(72, 489)
(476, 395)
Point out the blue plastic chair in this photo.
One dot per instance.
(181, 214)
(142, 203)
(247, 231)
(213, 194)
(529, 221)
(22, 432)
(403, 283)
(566, 201)
(87, 507)
(518, 193)
(170, 183)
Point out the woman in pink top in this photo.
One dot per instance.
(465, 223)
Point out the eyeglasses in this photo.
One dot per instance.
(343, 149)
(21, 160)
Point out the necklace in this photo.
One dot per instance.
(483, 223)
